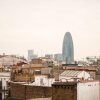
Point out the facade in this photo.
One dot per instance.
(4, 79)
(10, 60)
(88, 90)
(64, 91)
(29, 92)
(58, 57)
(43, 80)
(36, 61)
(27, 72)
(50, 56)
(47, 62)
(68, 49)
(31, 55)
(84, 90)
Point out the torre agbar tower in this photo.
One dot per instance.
(68, 49)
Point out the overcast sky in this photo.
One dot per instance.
(41, 25)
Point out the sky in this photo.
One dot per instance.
(41, 25)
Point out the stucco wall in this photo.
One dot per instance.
(88, 91)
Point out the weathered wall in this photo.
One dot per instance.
(64, 92)
(24, 92)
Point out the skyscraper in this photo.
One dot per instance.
(31, 55)
(68, 49)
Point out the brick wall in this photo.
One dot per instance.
(24, 92)
(64, 92)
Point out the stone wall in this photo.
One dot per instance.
(23, 92)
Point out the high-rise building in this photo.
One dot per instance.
(68, 49)
(49, 56)
(58, 57)
(31, 55)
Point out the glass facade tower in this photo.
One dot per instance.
(68, 49)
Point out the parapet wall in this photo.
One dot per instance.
(23, 92)
(64, 91)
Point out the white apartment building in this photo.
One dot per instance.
(4, 79)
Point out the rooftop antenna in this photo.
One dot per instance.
(83, 66)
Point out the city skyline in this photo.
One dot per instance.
(40, 25)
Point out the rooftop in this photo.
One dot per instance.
(41, 99)
(88, 68)
(71, 73)
(74, 82)
(65, 83)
